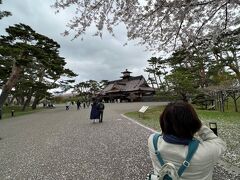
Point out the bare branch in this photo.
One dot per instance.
(226, 16)
(209, 18)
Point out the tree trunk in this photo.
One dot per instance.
(150, 79)
(238, 76)
(155, 78)
(160, 81)
(235, 105)
(152, 84)
(27, 101)
(235, 101)
(184, 97)
(166, 81)
(222, 102)
(35, 102)
(21, 100)
(11, 101)
(15, 74)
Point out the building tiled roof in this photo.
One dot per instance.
(124, 85)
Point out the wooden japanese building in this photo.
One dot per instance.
(128, 88)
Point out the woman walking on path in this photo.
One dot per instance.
(179, 123)
(78, 104)
(94, 114)
(68, 104)
(101, 109)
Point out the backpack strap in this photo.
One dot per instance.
(192, 147)
(155, 140)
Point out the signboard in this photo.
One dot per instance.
(143, 109)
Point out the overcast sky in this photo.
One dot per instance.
(93, 58)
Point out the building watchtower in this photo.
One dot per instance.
(126, 74)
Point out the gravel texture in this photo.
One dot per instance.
(59, 144)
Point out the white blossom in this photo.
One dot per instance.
(157, 24)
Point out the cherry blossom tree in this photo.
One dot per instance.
(157, 24)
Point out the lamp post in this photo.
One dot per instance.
(12, 113)
(213, 127)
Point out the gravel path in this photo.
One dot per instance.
(59, 144)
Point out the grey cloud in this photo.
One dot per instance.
(92, 58)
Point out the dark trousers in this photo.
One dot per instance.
(101, 116)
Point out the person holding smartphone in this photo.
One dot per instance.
(180, 124)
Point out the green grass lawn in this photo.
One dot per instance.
(228, 127)
(7, 111)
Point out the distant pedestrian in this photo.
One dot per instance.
(88, 104)
(68, 105)
(94, 114)
(84, 105)
(101, 109)
(78, 104)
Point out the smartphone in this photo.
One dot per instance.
(213, 127)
